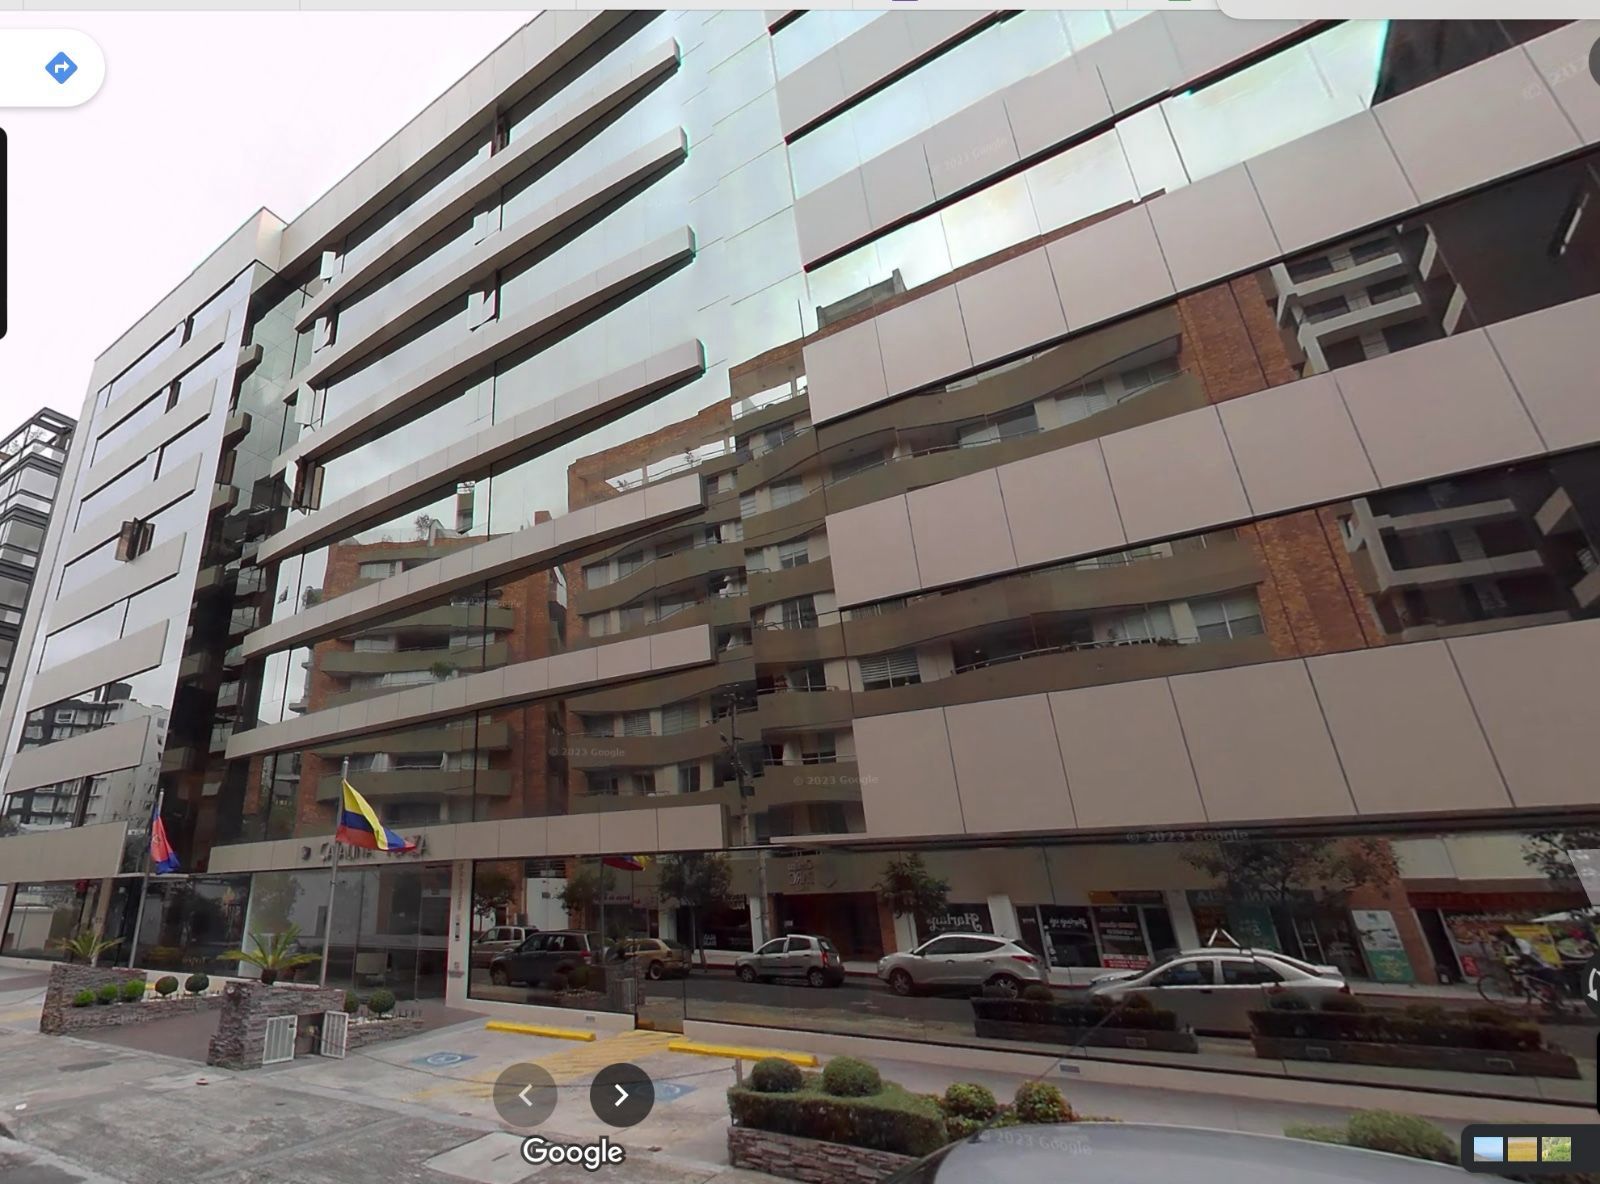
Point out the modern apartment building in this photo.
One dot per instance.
(1130, 477)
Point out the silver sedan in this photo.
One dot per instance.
(1216, 991)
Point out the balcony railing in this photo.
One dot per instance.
(1073, 647)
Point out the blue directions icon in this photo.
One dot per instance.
(61, 67)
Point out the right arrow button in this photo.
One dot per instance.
(622, 1095)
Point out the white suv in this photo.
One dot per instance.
(963, 960)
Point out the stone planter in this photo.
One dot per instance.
(1508, 1063)
(376, 1031)
(246, 1008)
(811, 1160)
(59, 1017)
(1072, 1025)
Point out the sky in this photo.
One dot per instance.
(203, 119)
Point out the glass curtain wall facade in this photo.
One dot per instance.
(689, 530)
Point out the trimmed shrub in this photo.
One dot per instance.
(1317, 1134)
(1494, 1017)
(1146, 1018)
(846, 1077)
(959, 1127)
(893, 1119)
(1392, 1027)
(108, 993)
(1428, 1013)
(964, 1099)
(380, 1002)
(773, 1076)
(166, 986)
(83, 998)
(196, 984)
(133, 990)
(1344, 1005)
(1039, 1101)
(1038, 993)
(352, 1003)
(1400, 1134)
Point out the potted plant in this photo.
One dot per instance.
(86, 945)
(274, 955)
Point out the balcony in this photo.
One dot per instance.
(787, 458)
(1498, 509)
(803, 711)
(1066, 668)
(776, 645)
(421, 783)
(785, 583)
(397, 661)
(606, 752)
(485, 737)
(729, 670)
(1558, 515)
(789, 784)
(445, 616)
(660, 575)
(600, 803)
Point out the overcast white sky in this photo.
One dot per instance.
(203, 119)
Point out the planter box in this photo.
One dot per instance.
(1087, 1037)
(377, 1031)
(59, 1017)
(1545, 1063)
(811, 1160)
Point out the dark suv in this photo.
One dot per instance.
(544, 959)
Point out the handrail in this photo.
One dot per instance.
(1075, 647)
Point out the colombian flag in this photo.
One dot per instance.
(359, 826)
(163, 860)
(627, 863)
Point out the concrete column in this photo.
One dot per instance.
(669, 923)
(458, 952)
(758, 920)
(1182, 919)
(905, 934)
(1004, 916)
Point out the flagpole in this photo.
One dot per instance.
(333, 871)
(144, 885)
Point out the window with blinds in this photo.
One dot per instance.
(679, 717)
(793, 554)
(636, 723)
(897, 669)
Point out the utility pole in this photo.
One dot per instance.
(747, 820)
(333, 872)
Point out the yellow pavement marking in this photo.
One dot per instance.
(806, 1060)
(538, 1030)
(567, 1064)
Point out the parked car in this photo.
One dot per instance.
(653, 957)
(1215, 990)
(966, 961)
(544, 958)
(799, 955)
(497, 941)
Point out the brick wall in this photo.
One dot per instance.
(66, 980)
(246, 1008)
(810, 1160)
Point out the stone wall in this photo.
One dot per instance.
(810, 1160)
(377, 1031)
(246, 1008)
(66, 980)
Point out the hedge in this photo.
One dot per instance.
(894, 1119)
(1075, 1015)
(1377, 1027)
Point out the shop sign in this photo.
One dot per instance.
(1122, 943)
(1138, 896)
(1226, 897)
(323, 852)
(1064, 920)
(1540, 939)
(1380, 943)
(961, 918)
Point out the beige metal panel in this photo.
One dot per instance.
(908, 776)
(159, 563)
(844, 372)
(1008, 766)
(191, 409)
(189, 355)
(121, 746)
(1295, 446)
(872, 551)
(74, 853)
(959, 529)
(1174, 476)
(532, 146)
(691, 828)
(1060, 503)
(1553, 357)
(171, 487)
(119, 660)
(1126, 761)
(1562, 59)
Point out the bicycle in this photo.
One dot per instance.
(1504, 985)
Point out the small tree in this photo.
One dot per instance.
(86, 945)
(274, 955)
(697, 881)
(9, 827)
(911, 890)
(493, 890)
(1269, 869)
(581, 894)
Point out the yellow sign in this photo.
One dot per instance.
(1540, 939)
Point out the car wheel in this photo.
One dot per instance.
(499, 977)
(1005, 985)
(654, 970)
(816, 978)
(900, 983)
(747, 974)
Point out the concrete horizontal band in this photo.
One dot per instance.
(478, 266)
(70, 853)
(191, 409)
(698, 827)
(512, 441)
(187, 356)
(541, 678)
(559, 540)
(1517, 390)
(561, 310)
(171, 487)
(121, 746)
(119, 660)
(1028, 120)
(1371, 168)
(532, 145)
(159, 563)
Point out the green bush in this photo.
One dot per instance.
(773, 1076)
(352, 1003)
(83, 998)
(108, 993)
(166, 986)
(1393, 1027)
(133, 990)
(846, 1077)
(1317, 1134)
(1344, 1005)
(967, 1100)
(891, 1120)
(1096, 1010)
(1038, 993)
(195, 984)
(1400, 1134)
(959, 1127)
(1039, 1101)
(380, 1002)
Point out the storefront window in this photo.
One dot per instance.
(41, 916)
